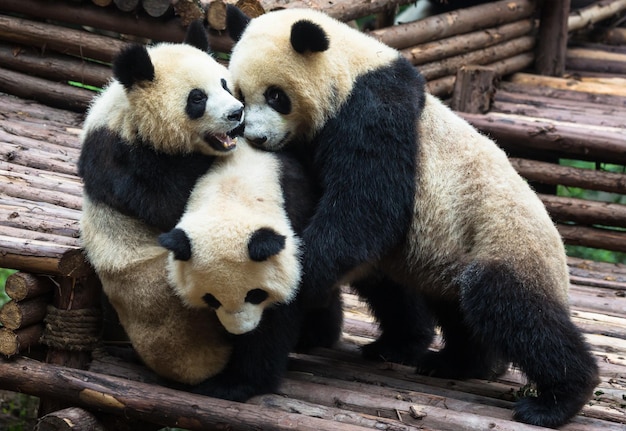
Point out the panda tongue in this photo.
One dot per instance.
(220, 141)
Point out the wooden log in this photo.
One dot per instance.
(599, 11)
(55, 140)
(28, 242)
(560, 109)
(126, 5)
(149, 402)
(367, 406)
(71, 345)
(53, 67)
(598, 300)
(41, 179)
(38, 116)
(38, 195)
(15, 315)
(615, 86)
(157, 8)
(550, 173)
(442, 87)
(454, 23)
(42, 257)
(22, 285)
(593, 237)
(78, 43)
(289, 405)
(528, 90)
(474, 89)
(20, 154)
(448, 47)
(606, 284)
(484, 56)
(550, 58)
(14, 342)
(44, 91)
(188, 11)
(596, 61)
(39, 140)
(26, 206)
(610, 269)
(583, 211)
(590, 116)
(216, 13)
(601, 144)
(111, 19)
(23, 225)
(69, 419)
(613, 36)
(343, 10)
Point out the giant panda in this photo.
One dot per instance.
(161, 124)
(157, 127)
(235, 252)
(423, 214)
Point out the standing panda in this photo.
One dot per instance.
(160, 126)
(416, 206)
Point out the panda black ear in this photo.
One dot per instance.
(308, 36)
(236, 22)
(265, 243)
(177, 242)
(132, 65)
(197, 36)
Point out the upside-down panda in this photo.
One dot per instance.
(235, 251)
(418, 209)
(161, 124)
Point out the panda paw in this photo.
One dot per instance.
(391, 350)
(449, 365)
(547, 410)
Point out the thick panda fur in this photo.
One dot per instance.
(235, 252)
(156, 129)
(417, 207)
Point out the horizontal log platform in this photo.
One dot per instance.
(335, 389)
(580, 116)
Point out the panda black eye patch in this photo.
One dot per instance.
(278, 100)
(211, 301)
(196, 103)
(256, 296)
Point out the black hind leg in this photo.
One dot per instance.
(534, 331)
(464, 356)
(407, 326)
(322, 326)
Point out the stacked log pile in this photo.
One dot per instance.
(580, 116)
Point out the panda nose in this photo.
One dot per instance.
(235, 115)
(258, 141)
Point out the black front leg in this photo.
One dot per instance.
(259, 358)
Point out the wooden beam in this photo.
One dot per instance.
(553, 36)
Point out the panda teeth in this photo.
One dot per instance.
(220, 141)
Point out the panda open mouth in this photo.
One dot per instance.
(220, 141)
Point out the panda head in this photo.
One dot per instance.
(233, 268)
(294, 69)
(177, 97)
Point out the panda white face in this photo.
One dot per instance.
(175, 97)
(267, 119)
(237, 284)
(293, 69)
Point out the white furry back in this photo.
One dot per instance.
(472, 204)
